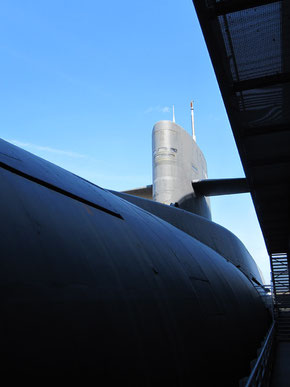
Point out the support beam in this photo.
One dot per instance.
(257, 83)
(283, 159)
(263, 130)
(225, 7)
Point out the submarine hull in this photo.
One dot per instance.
(93, 286)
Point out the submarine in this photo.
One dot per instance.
(114, 287)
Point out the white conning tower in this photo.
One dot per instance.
(177, 161)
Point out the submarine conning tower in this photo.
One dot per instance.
(177, 162)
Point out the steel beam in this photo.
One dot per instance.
(225, 7)
(257, 83)
(262, 130)
(284, 159)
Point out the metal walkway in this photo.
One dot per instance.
(281, 370)
(272, 365)
(281, 295)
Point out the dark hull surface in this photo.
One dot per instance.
(93, 286)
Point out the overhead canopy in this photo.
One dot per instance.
(249, 45)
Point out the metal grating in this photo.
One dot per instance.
(281, 292)
(249, 45)
(245, 34)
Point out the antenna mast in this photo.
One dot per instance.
(173, 118)
(192, 121)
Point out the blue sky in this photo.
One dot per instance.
(83, 82)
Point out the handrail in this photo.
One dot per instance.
(262, 356)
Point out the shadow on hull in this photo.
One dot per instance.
(95, 286)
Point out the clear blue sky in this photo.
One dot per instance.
(83, 82)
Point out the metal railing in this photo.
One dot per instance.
(281, 292)
(260, 373)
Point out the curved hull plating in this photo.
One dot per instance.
(92, 285)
